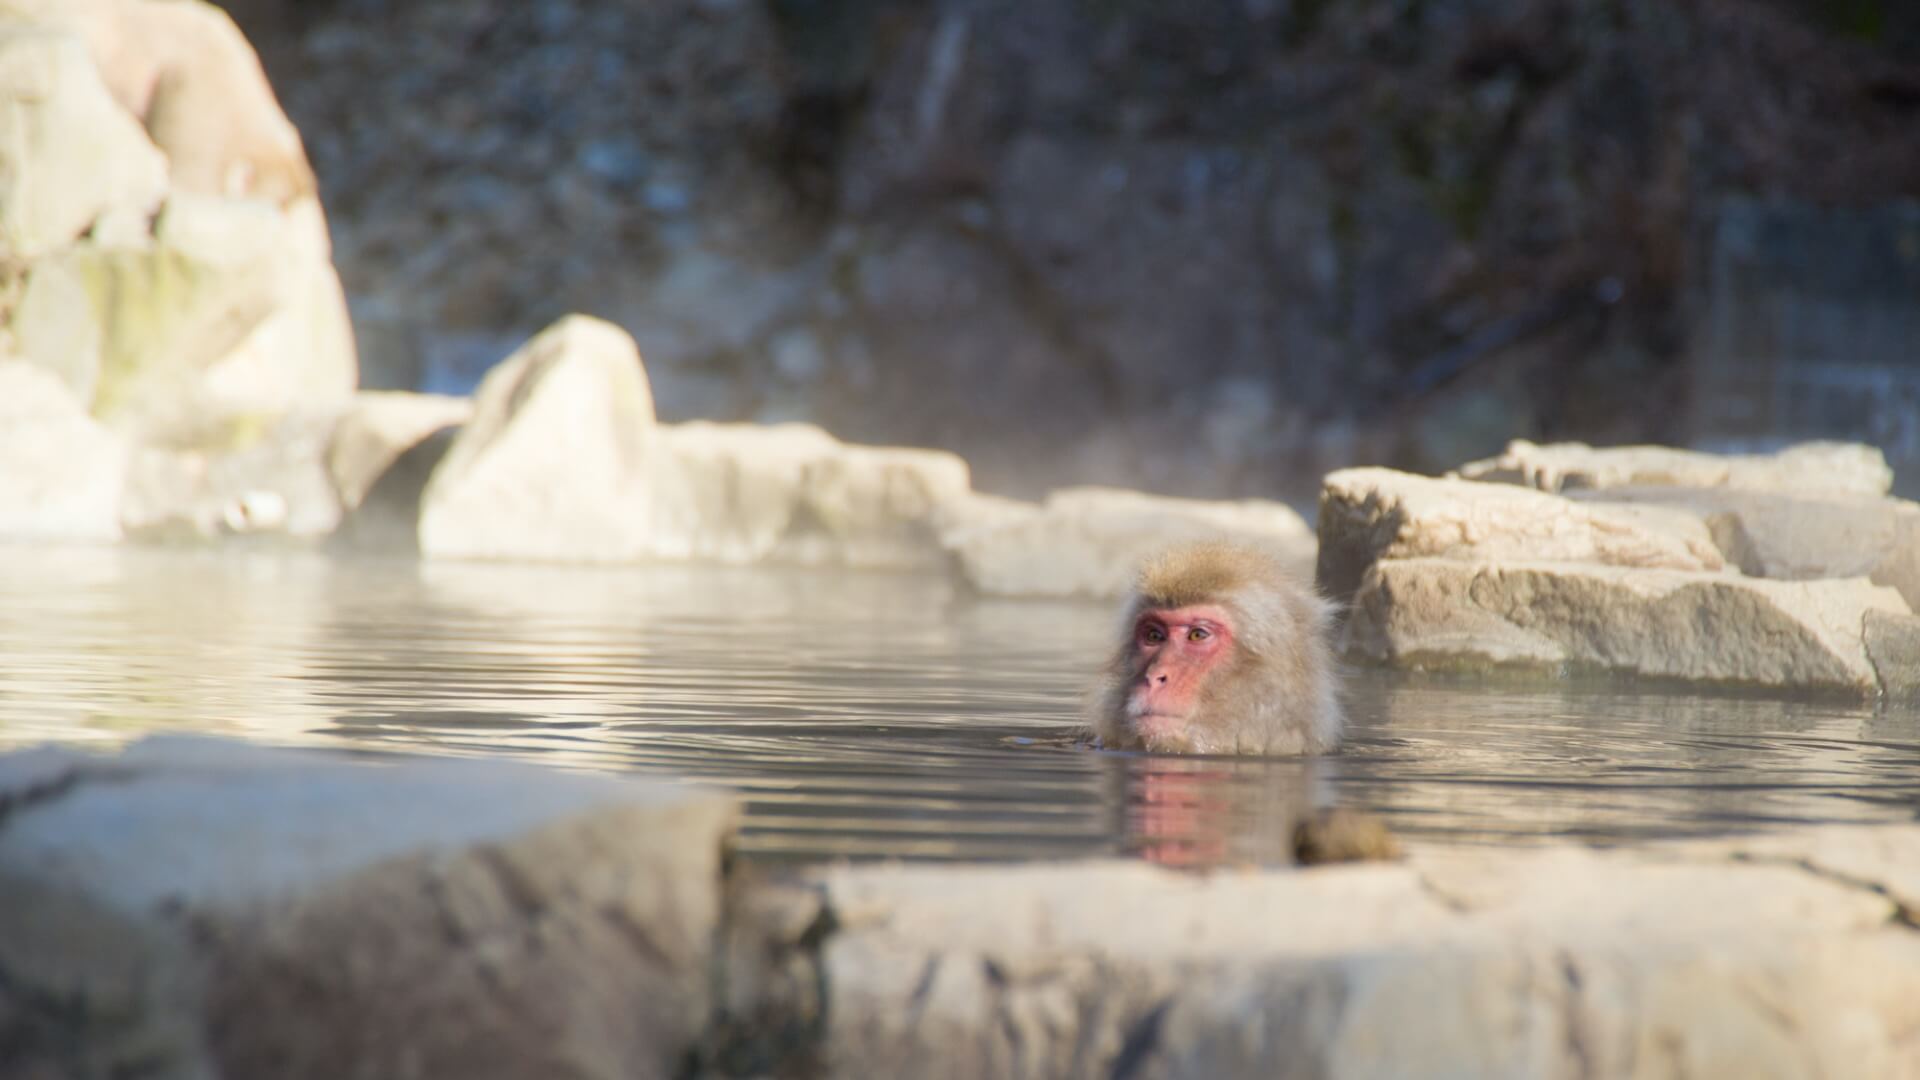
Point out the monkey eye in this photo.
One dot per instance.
(1152, 635)
(1199, 633)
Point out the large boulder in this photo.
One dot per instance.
(1724, 959)
(1798, 535)
(62, 474)
(185, 71)
(170, 261)
(1830, 467)
(229, 314)
(197, 908)
(1367, 515)
(1438, 613)
(563, 459)
(1089, 541)
(69, 154)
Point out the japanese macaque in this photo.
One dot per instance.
(1223, 653)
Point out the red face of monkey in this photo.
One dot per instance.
(1174, 651)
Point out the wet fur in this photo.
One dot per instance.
(1275, 694)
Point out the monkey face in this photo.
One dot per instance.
(1173, 652)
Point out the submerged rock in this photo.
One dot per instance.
(1827, 467)
(1367, 515)
(1655, 623)
(1090, 541)
(199, 908)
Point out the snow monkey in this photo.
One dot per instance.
(1223, 653)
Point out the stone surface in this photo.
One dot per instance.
(380, 426)
(194, 306)
(1089, 541)
(791, 493)
(1703, 961)
(185, 69)
(1367, 515)
(69, 154)
(1664, 624)
(194, 908)
(1799, 535)
(562, 460)
(1893, 645)
(276, 484)
(1827, 467)
(62, 475)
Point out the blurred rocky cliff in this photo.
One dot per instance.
(1207, 249)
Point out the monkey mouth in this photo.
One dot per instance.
(1149, 724)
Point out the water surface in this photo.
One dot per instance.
(872, 714)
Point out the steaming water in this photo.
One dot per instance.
(871, 715)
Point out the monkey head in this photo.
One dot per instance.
(1221, 652)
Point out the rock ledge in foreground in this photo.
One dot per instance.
(194, 907)
(1727, 959)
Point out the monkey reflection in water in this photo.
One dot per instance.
(1222, 652)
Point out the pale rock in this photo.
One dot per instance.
(70, 155)
(229, 320)
(1893, 644)
(1828, 467)
(1884, 860)
(302, 355)
(275, 484)
(200, 306)
(186, 70)
(1090, 541)
(377, 428)
(62, 475)
(1798, 535)
(1371, 514)
(198, 908)
(1652, 623)
(562, 461)
(1723, 959)
(791, 493)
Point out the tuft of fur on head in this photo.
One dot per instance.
(1280, 694)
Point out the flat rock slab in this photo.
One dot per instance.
(1823, 467)
(194, 907)
(1798, 535)
(1712, 628)
(795, 495)
(1367, 515)
(1702, 961)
